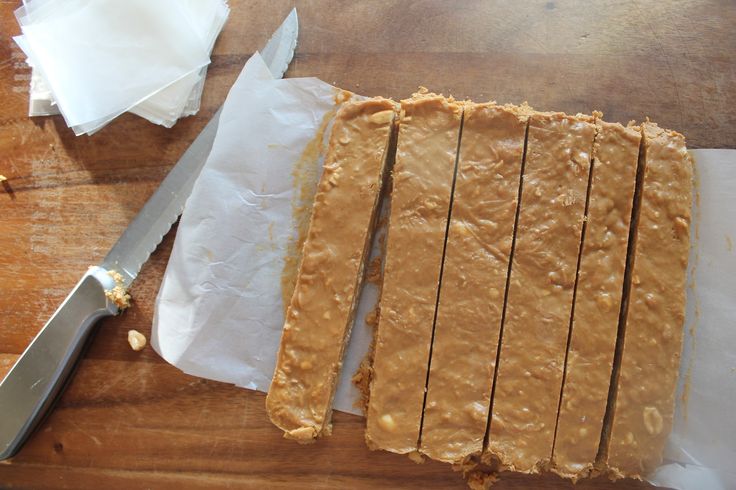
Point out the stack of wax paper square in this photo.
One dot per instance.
(93, 60)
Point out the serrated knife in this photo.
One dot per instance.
(37, 378)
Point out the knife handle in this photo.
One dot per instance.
(31, 386)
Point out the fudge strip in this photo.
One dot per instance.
(597, 299)
(423, 174)
(541, 282)
(320, 314)
(645, 395)
(473, 281)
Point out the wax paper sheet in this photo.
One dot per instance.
(702, 445)
(181, 98)
(101, 58)
(219, 312)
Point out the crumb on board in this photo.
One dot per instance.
(3, 178)
(302, 435)
(481, 481)
(371, 318)
(136, 340)
(477, 473)
(374, 274)
(362, 377)
(416, 456)
(118, 295)
(361, 380)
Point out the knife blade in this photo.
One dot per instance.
(39, 374)
(147, 229)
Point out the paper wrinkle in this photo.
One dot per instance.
(219, 312)
(148, 58)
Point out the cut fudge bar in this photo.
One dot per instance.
(320, 314)
(422, 183)
(645, 394)
(473, 281)
(539, 301)
(597, 300)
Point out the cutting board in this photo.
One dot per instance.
(128, 419)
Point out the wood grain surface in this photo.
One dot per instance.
(128, 419)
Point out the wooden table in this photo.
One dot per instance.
(130, 420)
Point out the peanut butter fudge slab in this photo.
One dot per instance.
(320, 314)
(473, 281)
(422, 184)
(645, 396)
(536, 325)
(597, 300)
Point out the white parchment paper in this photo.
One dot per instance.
(101, 58)
(704, 435)
(219, 312)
